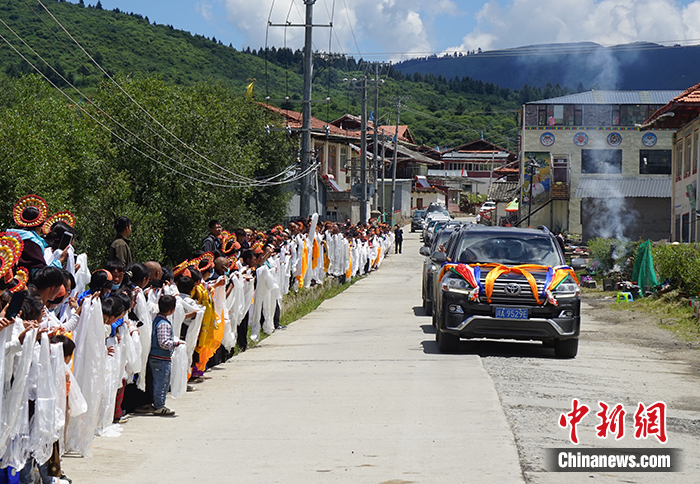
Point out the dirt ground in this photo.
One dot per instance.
(640, 329)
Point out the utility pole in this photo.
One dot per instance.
(363, 153)
(383, 182)
(376, 127)
(305, 195)
(396, 153)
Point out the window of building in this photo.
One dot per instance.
(686, 227)
(578, 115)
(332, 169)
(654, 162)
(558, 114)
(688, 156)
(542, 115)
(632, 114)
(696, 153)
(679, 160)
(470, 167)
(601, 161)
(616, 115)
(319, 153)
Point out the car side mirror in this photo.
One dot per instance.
(438, 257)
(425, 251)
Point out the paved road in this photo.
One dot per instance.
(354, 392)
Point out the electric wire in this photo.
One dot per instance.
(189, 148)
(104, 126)
(212, 174)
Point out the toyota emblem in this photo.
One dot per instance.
(513, 289)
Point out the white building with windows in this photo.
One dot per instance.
(595, 173)
(682, 114)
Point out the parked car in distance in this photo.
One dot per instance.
(430, 268)
(488, 206)
(416, 220)
(430, 222)
(508, 307)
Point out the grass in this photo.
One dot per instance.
(299, 304)
(673, 312)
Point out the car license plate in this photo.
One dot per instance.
(511, 313)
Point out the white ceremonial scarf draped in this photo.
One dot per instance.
(192, 331)
(235, 301)
(300, 240)
(82, 275)
(264, 303)
(179, 370)
(310, 238)
(112, 382)
(144, 314)
(15, 410)
(43, 426)
(58, 370)
(132, 348)
(222, 308)
(90, 371)
(286, 266)
(320, 270)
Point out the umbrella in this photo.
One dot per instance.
(512, 206)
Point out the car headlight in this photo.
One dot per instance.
(455, 285)
(567, 289)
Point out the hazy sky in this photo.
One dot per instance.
(394, 29)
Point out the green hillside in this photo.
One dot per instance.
(440, 111)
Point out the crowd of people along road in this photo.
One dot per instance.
(83, 348)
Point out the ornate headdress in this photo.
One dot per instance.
(22, 220)
(64, 216)
(181, 267)
(204, 262)
(230, 244)
(22, 277)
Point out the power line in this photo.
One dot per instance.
(185, 145)
(104, 126)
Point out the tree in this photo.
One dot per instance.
(98, 5)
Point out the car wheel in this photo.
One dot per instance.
(447, 343)
(566, 348)
(428, 307)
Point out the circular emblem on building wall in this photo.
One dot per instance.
(649, 140)
(614, 139)
(547, 139)
(580, 139)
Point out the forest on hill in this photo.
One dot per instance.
(440, 111)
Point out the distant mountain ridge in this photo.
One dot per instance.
(637, 66)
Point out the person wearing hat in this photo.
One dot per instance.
(29, 214)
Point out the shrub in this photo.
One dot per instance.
(680, 265)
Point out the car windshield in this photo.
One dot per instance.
(418, 214)
(442, 237)
(507, 249)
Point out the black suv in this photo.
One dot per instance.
(506, 307)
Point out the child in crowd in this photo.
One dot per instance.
(163, 341)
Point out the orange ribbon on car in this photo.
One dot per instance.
(497, 270)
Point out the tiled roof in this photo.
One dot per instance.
(690, 95)
(613, 97)
(294, 119)
(503, 191)
(624, 187)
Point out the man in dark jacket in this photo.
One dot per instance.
(120, 250)
(398, 239)
(211, 242)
